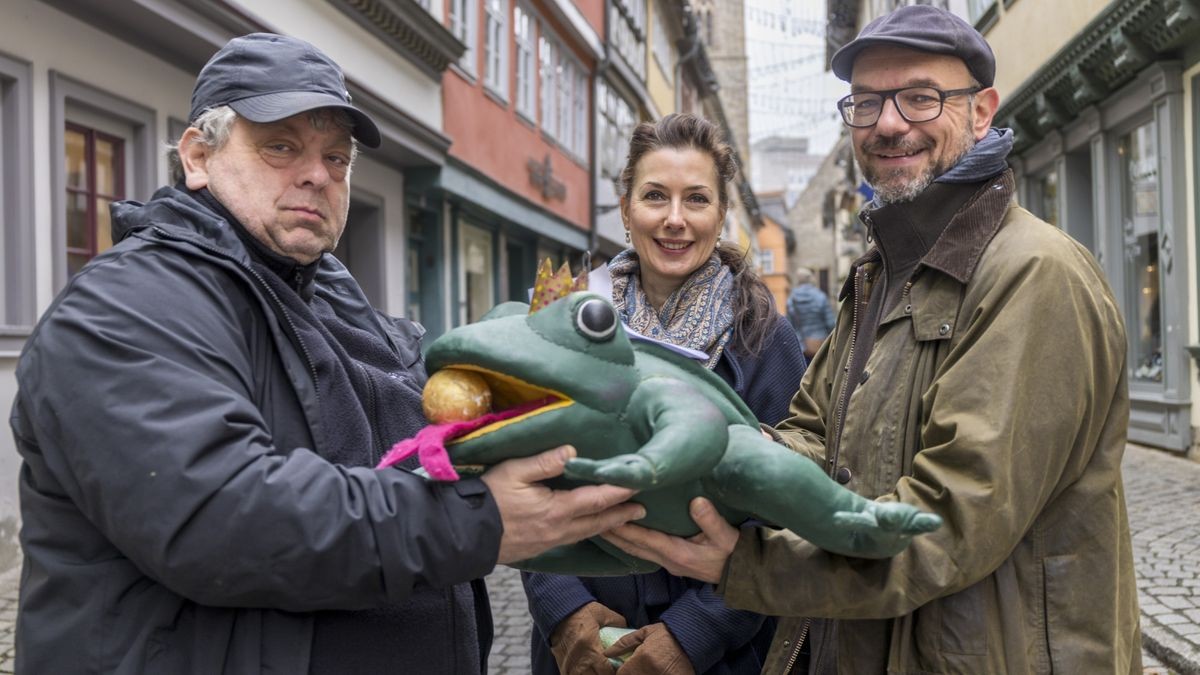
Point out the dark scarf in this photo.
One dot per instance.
(698, 315)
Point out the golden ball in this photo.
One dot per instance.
(455, 396)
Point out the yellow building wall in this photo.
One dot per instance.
(1030, 32)
(771, 238)
(661, 91)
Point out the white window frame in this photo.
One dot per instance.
(548, 81)
(462, 21)
(525, 37)
(495, 47)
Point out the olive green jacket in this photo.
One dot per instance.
(995, 396)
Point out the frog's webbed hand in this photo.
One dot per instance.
(684, 435)
(885, 528)
(632, 470)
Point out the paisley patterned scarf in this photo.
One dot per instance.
(698, 315)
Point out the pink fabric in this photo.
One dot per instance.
(430, 443)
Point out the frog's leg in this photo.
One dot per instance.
(789, 490)
(589, 558)
(684, 437)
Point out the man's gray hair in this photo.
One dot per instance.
(216, 125)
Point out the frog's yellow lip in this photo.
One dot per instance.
(511, 392)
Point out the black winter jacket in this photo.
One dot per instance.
(176, 515)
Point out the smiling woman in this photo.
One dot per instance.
(679, 284)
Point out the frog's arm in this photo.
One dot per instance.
(788, 489)
(684, 436)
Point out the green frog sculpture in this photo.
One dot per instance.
(644, 417)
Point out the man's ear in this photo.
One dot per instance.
(193, 157)
(987, 102)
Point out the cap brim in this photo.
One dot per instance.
(276, 106)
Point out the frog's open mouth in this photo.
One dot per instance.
(512, 399)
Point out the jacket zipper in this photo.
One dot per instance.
(842, 396)
(799, 643)
(312, 368)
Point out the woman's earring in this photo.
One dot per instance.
(628, 239)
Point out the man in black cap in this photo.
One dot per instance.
(977, 371)
(200, 410)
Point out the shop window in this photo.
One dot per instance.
(95, 178)
(1140, 200)
(1049, 199)
(478, 271)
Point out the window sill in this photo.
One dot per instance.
(496, 96)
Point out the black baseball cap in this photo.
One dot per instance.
(923, 28)
(266, 78)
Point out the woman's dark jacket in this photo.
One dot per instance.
(178, 516)
(717, 640)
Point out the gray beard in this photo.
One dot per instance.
(889, 191)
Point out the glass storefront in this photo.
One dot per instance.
(1140, 219)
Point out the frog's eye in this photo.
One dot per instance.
(596, 320)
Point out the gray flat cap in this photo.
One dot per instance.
(926, 29)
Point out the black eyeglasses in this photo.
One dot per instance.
(915, 104)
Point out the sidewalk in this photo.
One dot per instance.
(1163, 495)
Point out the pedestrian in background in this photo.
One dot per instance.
(977, 371)
(677, 283)
(200, 411)
(810, 312)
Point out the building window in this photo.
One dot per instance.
(580, 103)
(628, 21)
(17, 278)
(462, 25)
(616, 121)
(95, 165)
(1140, 218)
(495, 47)
(564, 84)
(548, 81)
(766, 261)
(105, 148)
(523, 30)
(1048, 189)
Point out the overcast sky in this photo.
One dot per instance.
(790, 92)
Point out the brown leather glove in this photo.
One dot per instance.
(576, 641)
(655, 652)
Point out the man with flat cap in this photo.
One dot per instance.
(200, 409)
(977, 371)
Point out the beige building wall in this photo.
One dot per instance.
(1028, 34)
(660, 77)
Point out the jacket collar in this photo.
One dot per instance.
(957, 250)
(198, 216)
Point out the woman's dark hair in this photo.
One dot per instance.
(753, 304)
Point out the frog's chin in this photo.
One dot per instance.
(513, 400)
